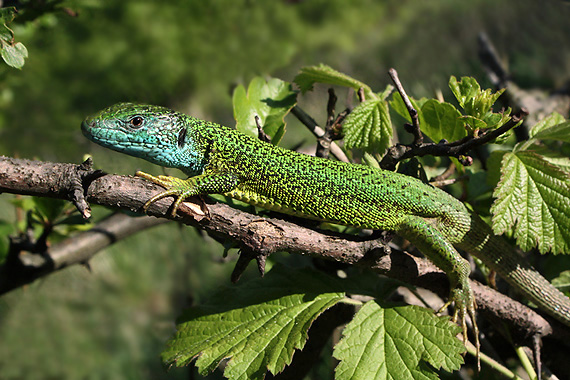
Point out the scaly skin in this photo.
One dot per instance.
(220, 160)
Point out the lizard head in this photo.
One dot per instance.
(155, 133)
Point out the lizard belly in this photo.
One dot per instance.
(269, 203)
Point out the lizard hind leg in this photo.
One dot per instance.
(434, 245)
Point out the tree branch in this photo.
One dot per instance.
(258, 234)
(23, 267)
(458, 148)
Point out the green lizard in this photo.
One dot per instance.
(220, 160)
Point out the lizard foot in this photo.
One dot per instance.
(174, 187)
(465, 305)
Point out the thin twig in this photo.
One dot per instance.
(361, 96)
(260, 132)
(418, 136)
(310, 123)
(331, 104)
(446, 174)
(324, 142)
(447, 182)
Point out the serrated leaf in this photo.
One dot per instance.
(549, 121)
(484, 102)
(558, 132)
(441, 121)
(368, 127)
(269, 100)
(555, 158)
(325, 74)
(532, 201)
(397, 343)
(259, 324)
(14, 55)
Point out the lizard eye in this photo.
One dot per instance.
(136, 122)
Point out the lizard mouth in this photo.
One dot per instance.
(94, 129)
(97, 132)
(86, 125)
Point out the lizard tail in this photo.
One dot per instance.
(500, 256)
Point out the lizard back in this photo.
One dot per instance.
(294, 183)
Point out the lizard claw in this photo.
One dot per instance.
(174, 186)
(205, 183)
(465, 305)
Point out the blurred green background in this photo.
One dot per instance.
(111, 322)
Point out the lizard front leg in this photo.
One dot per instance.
(433, 243)
(185, 188)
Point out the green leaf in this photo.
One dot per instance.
(472, 123)
(558, 132)
(269, 100)
(325, 74)
(368, 127)
(49, 208)
(397, 343)
(562, 282)
(259, 324)
(7, 15)
(549, 121)
(495, 120)
(15, 55)
(387, 91)
(6, 34)
(398, 105)
(474, 102)
(413, 168)
(369, 160)
(555, 158)
(5, 230)
(464, 90)
(494, 167)
(533, 203)
(441, 121)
